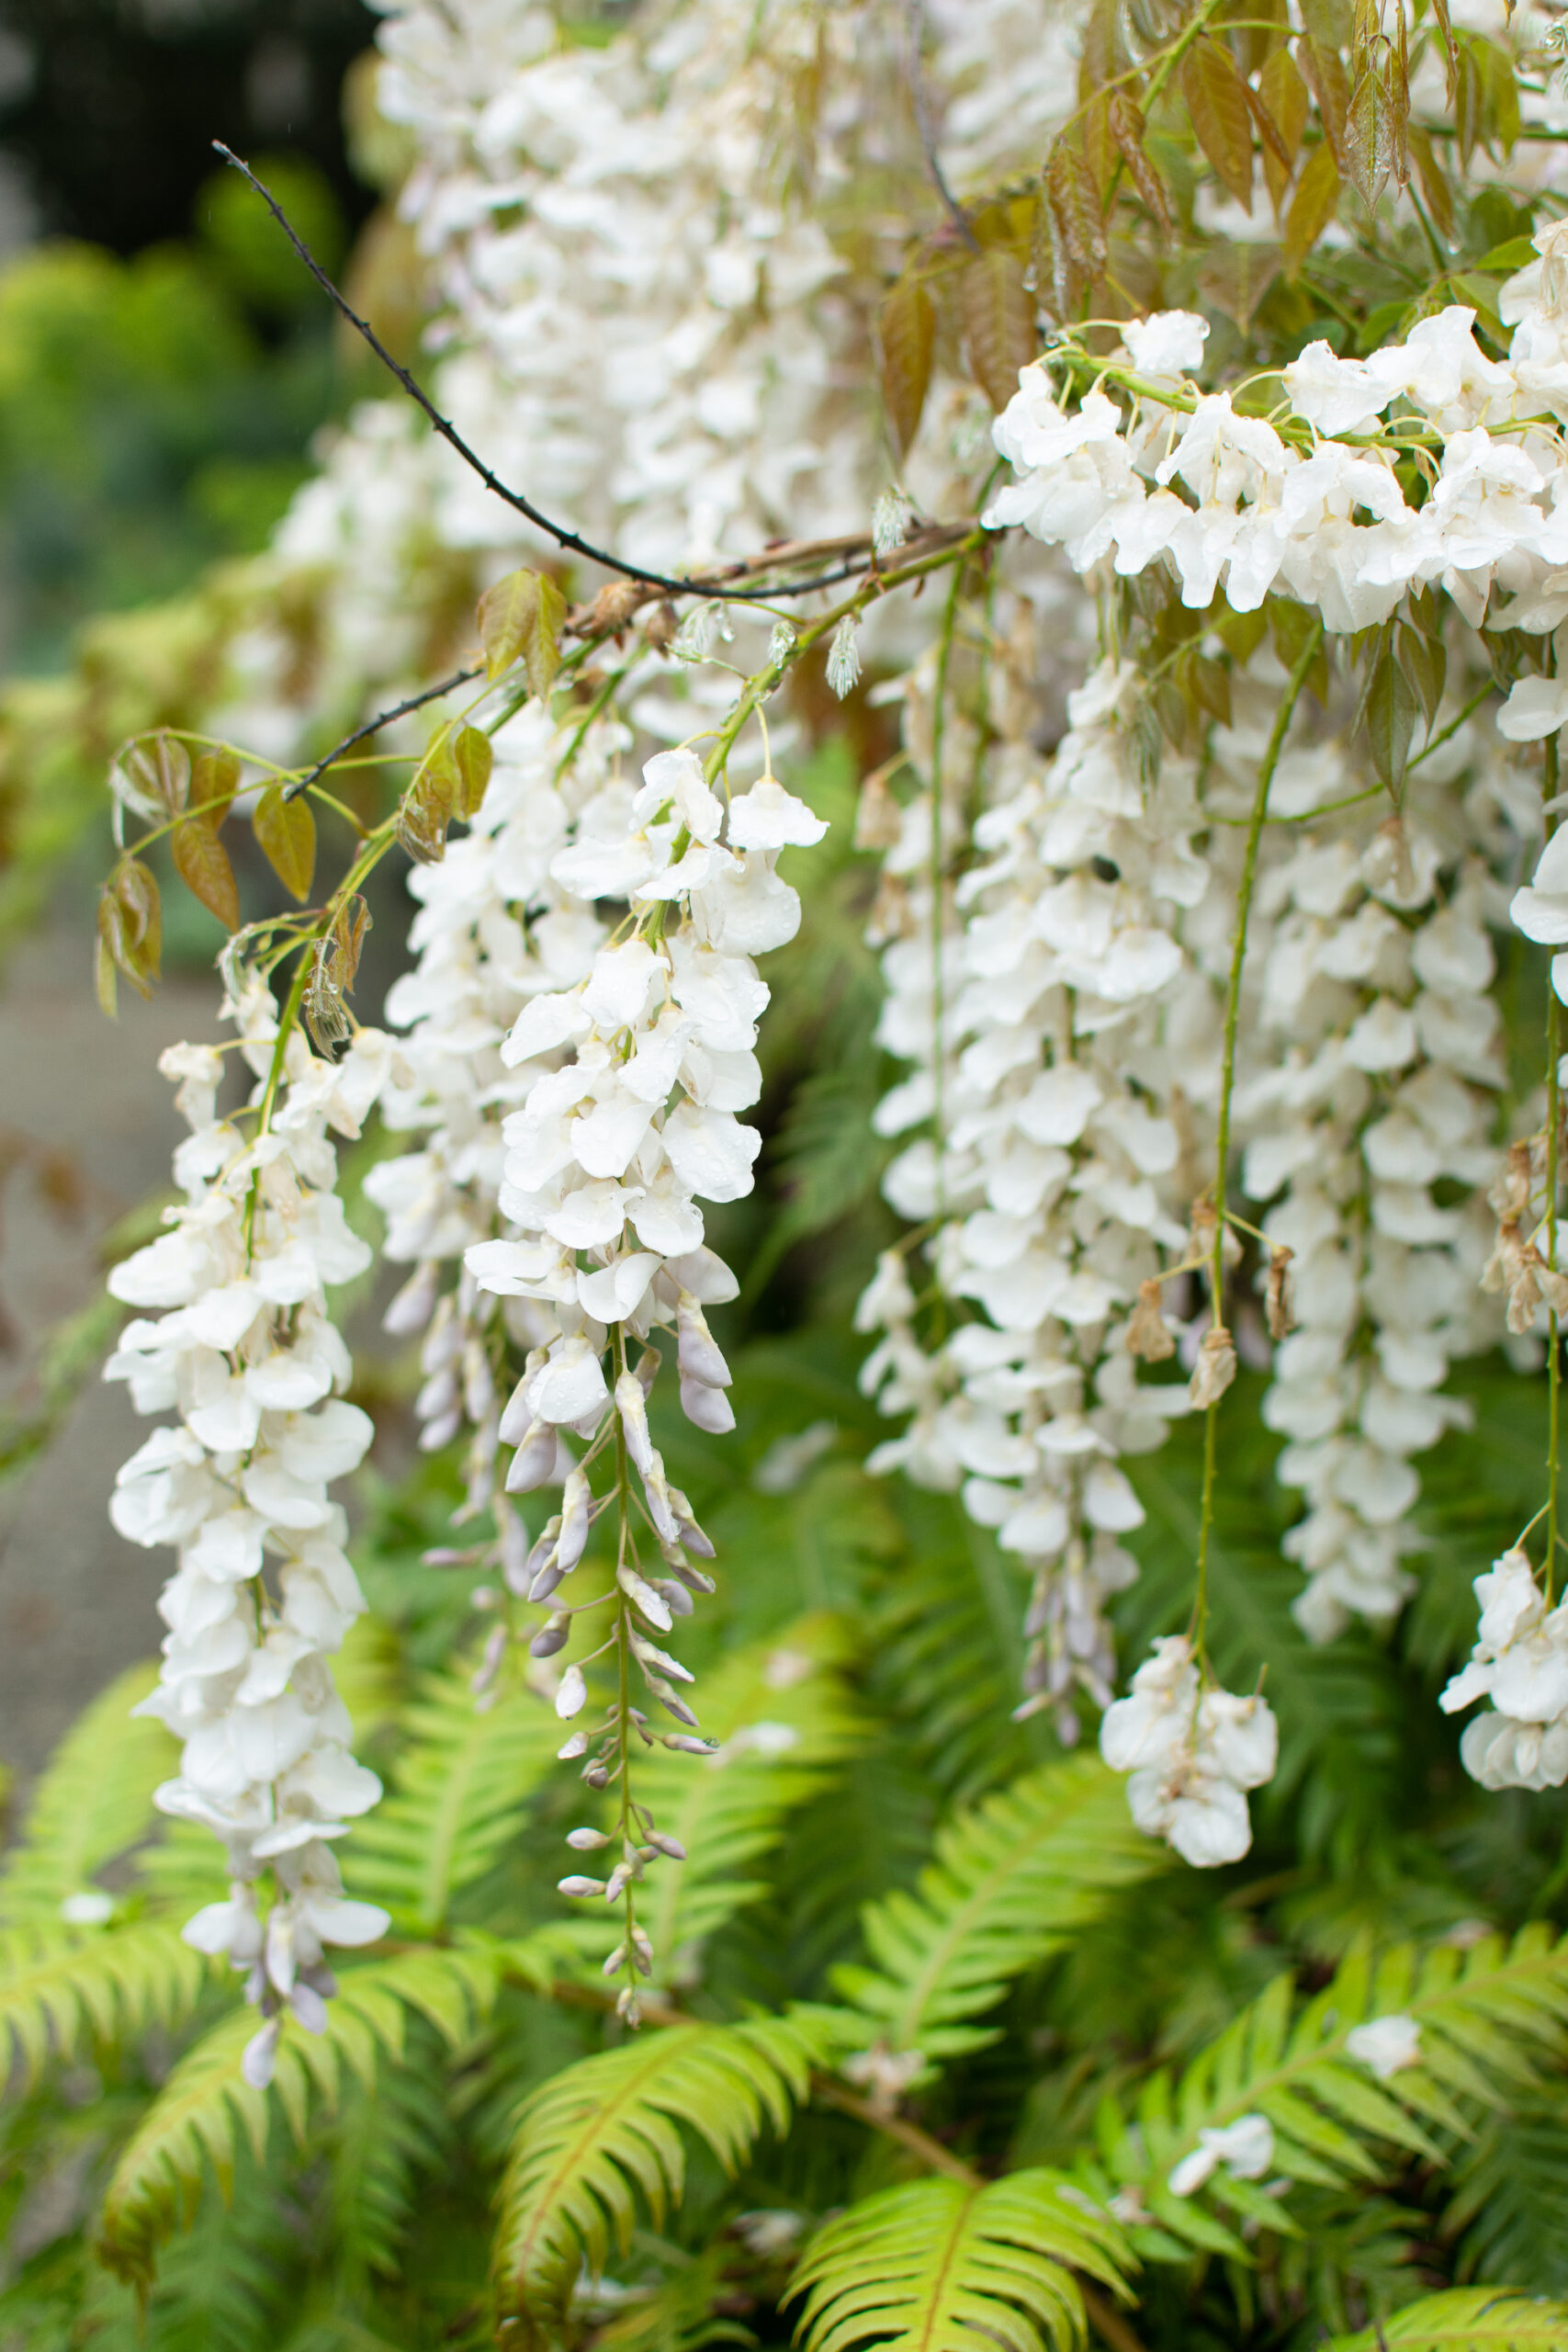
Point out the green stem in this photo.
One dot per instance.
(1553, 1126)
(1282, 717)
(624, 1696)
(939, 735)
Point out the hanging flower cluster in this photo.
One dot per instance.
(246, 1353)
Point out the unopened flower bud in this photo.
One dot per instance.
(572, 1695)
(581, 1889)
(551, 1637)
(587, 1841)
(707, 1408)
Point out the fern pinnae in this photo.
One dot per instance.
(1009, 1878)
(609, 2126)
(1467, 2319)
(933, 2266)
(1482, 2022)
(455, 1798)
(59, 1989)
(93, 1800)
(206, 2102)
(782, 1714)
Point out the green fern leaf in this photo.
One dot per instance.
(1486, 2021)
(206, 2103)
(598, 2131)
(1010, 1877)
(1467, 2319)
(458, 1796)
(782, 1715)
(939, 2264)
(57, 1990)
(94, 1799)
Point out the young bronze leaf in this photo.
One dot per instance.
(1269, 133)
(161, 766)
(1312, 206)
(473, 756)
(1284, 94)
(999, 321)
(1433, 181)
(213, 783)
(103, 968)
(908, 335)
(1368, 139)
(1077, 227)
(286, 835)
(1216, 102)
(130, 926)
(202, 863)
(1450, 55)
(520, 619)
(1126, 120)
(1325, 77)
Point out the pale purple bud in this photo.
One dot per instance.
(684, 1747)
(572, 1695)
(572, 1747)
(693, 1578)
(617, 1961)
(309, 2008)
(552, 1636)
(664, 1844)
(691, 1534)
(586, 1841)
(675, 1597)
(576, 1496)
(619, 1879)
(580, 1889)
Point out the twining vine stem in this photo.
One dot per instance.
(1551, 1157)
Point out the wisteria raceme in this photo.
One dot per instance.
(605, 1162)
(246, 1353)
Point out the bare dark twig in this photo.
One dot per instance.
(914, 15)
(372, 726)
(710, 585)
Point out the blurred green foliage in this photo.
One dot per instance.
(156, 413)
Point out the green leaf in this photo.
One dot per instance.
(908, 338)
(941, 2265)
(520, 619)
(1216, 103)
(1011, 1879)
(1466, 2319)
(599, 2132)
(286, 835)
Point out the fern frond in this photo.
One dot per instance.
(1487, 2019)
(1467, 2319)
(58, 1989)
(94, 1799)
(1009, 1878)
(935, 2265)
(609, 2126)
(782, 1714)
(1510, 2196)
(206, 2103)
(457, 1793)
(384, 2141)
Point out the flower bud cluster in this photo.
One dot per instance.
(244, 1351)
